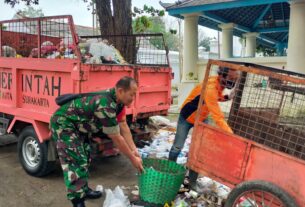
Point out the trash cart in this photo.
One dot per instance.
(264, 160)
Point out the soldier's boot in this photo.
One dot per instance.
(78, 202)
(93, 194)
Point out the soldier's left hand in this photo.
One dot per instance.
(136, 153)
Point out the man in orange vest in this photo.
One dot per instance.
(226, 78)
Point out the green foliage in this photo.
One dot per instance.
(27, 2)
(30, 11)
(173, 31)
(157, 25)
(142, 20)
(147, 10)
(205, 42)
(3, 27)
(150, 20)
(141, 24)
(172, 41)
(267, 51)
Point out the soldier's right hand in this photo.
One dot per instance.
(137, 163)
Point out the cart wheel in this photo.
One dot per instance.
(33, 155)
(259, 194)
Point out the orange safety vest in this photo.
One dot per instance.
(213, 94)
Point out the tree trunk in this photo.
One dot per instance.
(103, 9)
(118, 24)
(122, 17)
(123, 26)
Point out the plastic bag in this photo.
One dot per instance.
(116, 198)
(159, 120)
(99, 188)
(8, 51)
(99, 50)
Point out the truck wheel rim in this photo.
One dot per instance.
(31, 152)
(258, 198)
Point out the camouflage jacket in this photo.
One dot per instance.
(91, 114)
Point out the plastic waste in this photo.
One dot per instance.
(182, 160)
(8, 51)
(135, 192)
(159, 120)
(246, 203)
(116, 198)
(194, 194)
(161, 145)
(99, 50)
(264, 83)
(180, 203)
(222, 191)
(99, 188)
(205, 184)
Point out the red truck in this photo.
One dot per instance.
(42, 58)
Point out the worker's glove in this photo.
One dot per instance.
(232, 94)
(234, 90)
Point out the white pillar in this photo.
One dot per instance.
(243, 47)
(250, 43)
(190, 57)
(296, 41)
(227, 40)
(190, 48)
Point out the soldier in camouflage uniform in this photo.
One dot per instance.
(73, 124)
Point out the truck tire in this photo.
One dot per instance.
(33, 155)
(259, 193)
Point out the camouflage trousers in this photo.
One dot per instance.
(74, 155)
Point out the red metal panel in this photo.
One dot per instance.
(283, 170)
(6, 86)
(101, 77)
(154, 89)
(38, 89)
(35, 19)
(34, 85)
(41, 128)
(222, 157)
(217, 153)
(153, 84)
(54, 65)
(28, 88)
(0, 40)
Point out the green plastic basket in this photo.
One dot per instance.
(161, 181)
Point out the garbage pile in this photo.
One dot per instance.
(62, 50)
(95, 51)
(163, 140)
(161, 145)
(208, 193)
(8, 51)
